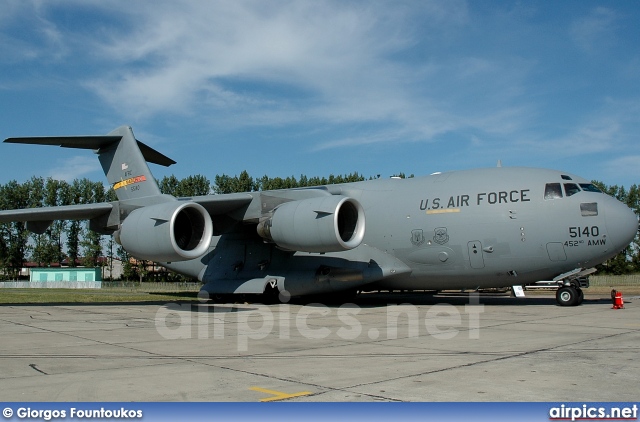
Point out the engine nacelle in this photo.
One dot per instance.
(171, 231)
(324, 224)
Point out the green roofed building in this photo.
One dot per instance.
(56, 277)
(65, 274)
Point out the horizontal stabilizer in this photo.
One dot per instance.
(153, 156)
(94, 143)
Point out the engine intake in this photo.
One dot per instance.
(172, 231)
(324, 224)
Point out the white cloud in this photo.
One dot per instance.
(595, 30)
(36, 38)
(623, 167)
(327, 63)
(74, 167)
(185, 47)
(597, 136)
(335, 56)
(352, 73)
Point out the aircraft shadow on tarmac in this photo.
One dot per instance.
(377, 300)
(368, 300)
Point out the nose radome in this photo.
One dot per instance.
(622, 223)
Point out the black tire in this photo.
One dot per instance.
(580, 297)
(270, 295)
(567, 296)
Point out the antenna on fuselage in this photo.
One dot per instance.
(499, 163)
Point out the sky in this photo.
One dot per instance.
(284, 88)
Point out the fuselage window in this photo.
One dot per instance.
(571, 189)
(553, 191)
(589, 209)
(588, 187)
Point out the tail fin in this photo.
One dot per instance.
(125, 164)
(123, 158)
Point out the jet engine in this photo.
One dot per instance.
(324, 224)
(171, 231)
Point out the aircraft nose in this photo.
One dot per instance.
(622, 224)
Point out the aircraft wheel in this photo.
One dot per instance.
(567, 296)
(271, 295)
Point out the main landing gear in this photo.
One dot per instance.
(569, 296)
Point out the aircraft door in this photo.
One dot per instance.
(556, 251)
(475, 254)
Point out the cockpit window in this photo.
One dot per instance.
(571, 189)
(589, 187)
(553, 191)
(565, 177)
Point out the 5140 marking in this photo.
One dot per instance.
(593, 231)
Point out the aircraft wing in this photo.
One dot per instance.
(236, 207)
(221, 204)
(65, 212)
(264, 200)
(39, 219)
(214, 204)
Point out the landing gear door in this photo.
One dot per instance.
(475, 254)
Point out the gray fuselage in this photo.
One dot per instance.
(482, 228)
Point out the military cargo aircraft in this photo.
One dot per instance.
(472, 229)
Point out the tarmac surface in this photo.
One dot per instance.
(388, 347)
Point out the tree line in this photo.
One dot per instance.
(64, 240)
(628, 260)
(71, 242)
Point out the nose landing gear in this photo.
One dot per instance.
(569, 296)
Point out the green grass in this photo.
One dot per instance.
(35, 296)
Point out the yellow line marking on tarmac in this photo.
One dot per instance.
(443, 211)
(278, 395)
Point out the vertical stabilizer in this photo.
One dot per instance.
(126, 168)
